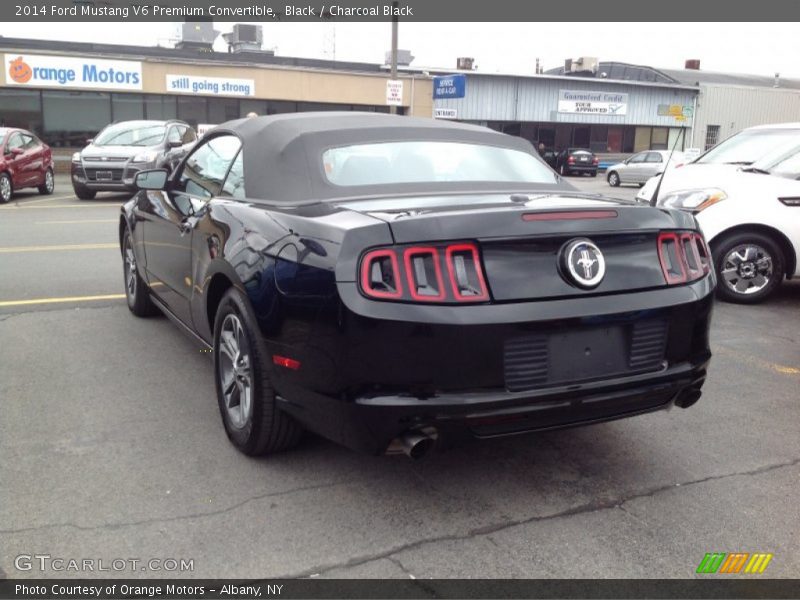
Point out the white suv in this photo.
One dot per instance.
(745, 194)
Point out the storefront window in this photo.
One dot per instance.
(580, 136)
(224, 109)
(281, 106)
(257, 106)
(72, 117)
(659, 139)
(21, 108)
(599, 141)
(193, 110)
(641, 139)
(160, 108)
(127, 107)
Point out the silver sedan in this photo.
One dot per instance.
(642, 166)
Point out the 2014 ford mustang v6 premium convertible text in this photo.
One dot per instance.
(394, 282)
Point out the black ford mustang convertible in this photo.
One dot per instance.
(393, 282)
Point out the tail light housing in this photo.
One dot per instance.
(571, 159)
(438, 273)
(684, 256)
(596, 160)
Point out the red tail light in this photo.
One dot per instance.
(380, 274)
(422, 268)
(596, 160)
(466, 275)
(571, 159)
(684, 256)
(424, 274)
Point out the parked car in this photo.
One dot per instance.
(741, 149)
(642, 166)
(26, 162)
(577, 160)
(112, 159)
(751, 218)
(394, 282)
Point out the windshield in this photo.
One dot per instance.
(131, 134)
(431, 161)
(784, 164)
(749, 146)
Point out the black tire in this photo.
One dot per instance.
(265, 428)
(6, 188)
(49, 183)
(84, 194)
(136, 291)
(613, 179)
(593, 173)
(730, 248)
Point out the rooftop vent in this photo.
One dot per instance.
(692, 64)
(244, 38)
(585, 65)
(404, 58)
(464, 63)
(197, 35)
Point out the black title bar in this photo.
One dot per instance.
(102, 589)
(405, 10)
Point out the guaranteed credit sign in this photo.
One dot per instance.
(33, 70)
(596, 103)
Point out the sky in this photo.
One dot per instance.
(754, 48)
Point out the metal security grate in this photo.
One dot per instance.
(526, 362)
(648, 343)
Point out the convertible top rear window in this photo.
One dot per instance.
(430, 161)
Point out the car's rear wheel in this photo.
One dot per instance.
(749, 267)
(136, 292)
(49, 183)
(613, 179)
(247, 403)
(6, 189)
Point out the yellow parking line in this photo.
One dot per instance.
(61, 300)
(759, 362)
(76, 222)
(47, 199)
(86, 205)
(15, 249)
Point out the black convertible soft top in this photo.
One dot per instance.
(283, 153)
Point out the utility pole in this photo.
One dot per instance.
(393, 108)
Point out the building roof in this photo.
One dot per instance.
(697, 77)
(692, 77)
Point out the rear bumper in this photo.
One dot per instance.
(581, 168)
(365, 381)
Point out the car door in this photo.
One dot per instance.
(632, 173)
(35, 160)
(653, 165)
(18, 161)
(170, 216)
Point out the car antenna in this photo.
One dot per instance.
(654, 199)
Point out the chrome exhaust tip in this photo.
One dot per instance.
(414, 444)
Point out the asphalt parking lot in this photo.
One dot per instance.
(111, 446)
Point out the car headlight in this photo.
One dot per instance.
(146, 157)
(76, 157)
(693, 200)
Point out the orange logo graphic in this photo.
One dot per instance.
(20, 71)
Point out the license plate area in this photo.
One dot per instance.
(579, 355)
(103, 175)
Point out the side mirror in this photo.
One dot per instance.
(151, 179)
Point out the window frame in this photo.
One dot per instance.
(178, 174)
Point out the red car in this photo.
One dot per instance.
(26, 162)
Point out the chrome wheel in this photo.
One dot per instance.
(235, 371)
(747, 269)
(613, 180)
(130, 270)
(5, 188)
(48, 182)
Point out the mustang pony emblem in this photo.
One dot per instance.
(582, 263)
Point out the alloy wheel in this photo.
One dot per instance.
(5, 189)
(747, 269)
(48, 182)
(235, 371)
(130, 269)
